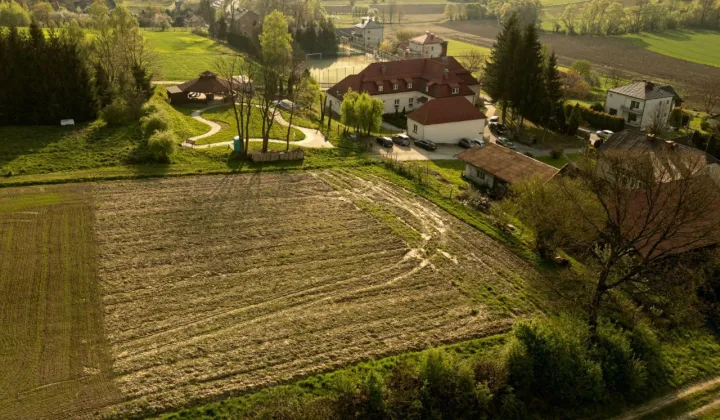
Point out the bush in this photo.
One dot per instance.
(149, 108)
(556, 153)
(597, 119)
(161, 146)
(117, 113)
(157, 121)
(598, 107)
(201, 31)
(704, 125)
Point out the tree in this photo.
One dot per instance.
(239, 71)
(392, 9)
(348, 115)
(14, 14)
(641, 211)
(386, 47)
(658, 121)
(368, 111)
(500, 71)
(583, 68)
(41, 12)
(161, 145)
(527, 12)
(711, 97)
(473, 61)
(529, 92)
(553, 93)
(574, 120)
(450, 11)
(405, 35)
(569, 17)
(276, 56)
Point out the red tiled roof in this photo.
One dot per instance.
(426, 39)
(446, 110)
(422, 72)
(506, 164)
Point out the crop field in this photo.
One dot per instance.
(216, 285)
(697, 46)
(183, 55)
(54, 361)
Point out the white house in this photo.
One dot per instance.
(406, 85)
(495, 167)
(446, 120)
(641, 103)
(368, 32)
(427, 46)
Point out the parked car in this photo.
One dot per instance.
(468, 143)
(503, 141)
(352, 136)
(501, 129)
(401, 139)
(286, 105)
(494, 119)
(426, 144)
(604, 134)
(384, 141)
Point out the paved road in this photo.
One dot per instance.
(444, 151)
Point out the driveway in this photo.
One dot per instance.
(443, 152)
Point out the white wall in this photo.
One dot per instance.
(645, 112)
(447, 133)
(426, 51)
(389, 100)
(478, 176)
(372, 37)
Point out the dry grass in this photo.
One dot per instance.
(54, 361)
(217, 285)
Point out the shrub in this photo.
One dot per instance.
(117, 113)
(598, 107)
(157, 121)
(149, 108)
(556, 153)
(161, 145)
(704, 125)
(201, 31)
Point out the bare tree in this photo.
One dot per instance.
(658, 121)
(473, 61)
(240, 72)
(615, 77)
(711, 97)
(392, 8)
(638, 213)
(294, 85)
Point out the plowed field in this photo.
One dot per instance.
(221, 284)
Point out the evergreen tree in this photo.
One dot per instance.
(554, 94)
(528, 91)
(500, 68)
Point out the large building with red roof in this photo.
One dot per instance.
(408, 84)
(446, 120)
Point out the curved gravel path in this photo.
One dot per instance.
(313, 138)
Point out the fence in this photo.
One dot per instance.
(170, 29)
(277, 156)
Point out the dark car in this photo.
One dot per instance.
(503, 141)
(401, 139)
(468, 143)
(425, 144)
(384, 141)
(499, 128)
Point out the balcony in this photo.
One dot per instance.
(633, 110)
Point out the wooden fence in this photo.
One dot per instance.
(277, 156)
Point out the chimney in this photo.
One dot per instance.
(431, 36)
(383, 68)
(651, 138)
(649, 85)
(669, 145)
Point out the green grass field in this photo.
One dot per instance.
(224, 117)
(184, 55)
(691, 45)
(457, 48)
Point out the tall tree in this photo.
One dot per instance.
(528, 93)
(553, 93)
(500, 68)
(240, 71)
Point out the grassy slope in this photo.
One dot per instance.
(184, 55)
(224, 117)
(52, 352)
(691, 45)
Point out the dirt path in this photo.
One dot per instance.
(666, 400)
(313, 138)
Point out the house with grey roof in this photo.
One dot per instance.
(368, 32)
(640, 104)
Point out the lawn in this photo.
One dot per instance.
(458, 48)
(225, 118)
(691, 45)
(184, 55)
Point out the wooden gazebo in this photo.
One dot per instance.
(208, 83)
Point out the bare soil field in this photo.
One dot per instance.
(603, 52)
(203, 287)
(53, 359)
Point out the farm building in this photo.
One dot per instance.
(496, 167)
(446, 120)
(427, 46)
(408, 84)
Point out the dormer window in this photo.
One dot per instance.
(395, 86)
(427, 88)
(455, 91)
(380, 88)
(409, 85)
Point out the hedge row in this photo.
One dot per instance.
(599, 120)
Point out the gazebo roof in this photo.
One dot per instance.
(208, 82)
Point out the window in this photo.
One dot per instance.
(409, 85)
(414, 128)
(397, 102)
(455, 90)
(613, 111)
(395, 86)
(634, 104)
(480, 174)
(427, 88)
(632, 117)
(380, 88)
(410, 101)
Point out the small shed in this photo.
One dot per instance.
(176, 96)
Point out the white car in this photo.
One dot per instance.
(494, 119)
(604, 134)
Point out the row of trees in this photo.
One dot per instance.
(604, 17)
(361, 111)
(522, 78)
(527, 11)
(318, 37)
